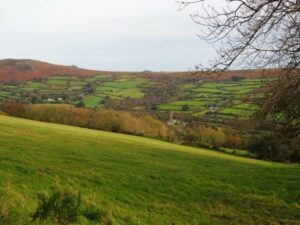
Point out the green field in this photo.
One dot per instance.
(93, 101)
(52, 81)
(125, 83)
(133, 93)
(177, 105)
(4, 93)
(142, 181)
(31, 86)
(122, 88)
(237, 112)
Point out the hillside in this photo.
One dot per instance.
(26, 69)
(142, 181)
(214, 97)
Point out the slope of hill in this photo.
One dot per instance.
(217, 97)
(26, 69)
(142, 181)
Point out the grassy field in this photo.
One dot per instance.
(93, 101)
(143, 181)
(177, 105)
(122, 88)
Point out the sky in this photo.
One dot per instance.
(117, 35)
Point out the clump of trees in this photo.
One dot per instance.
(214, 137)
(100, 119)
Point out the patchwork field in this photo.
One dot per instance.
(223, 99)
(137, 180)
(72, 89)
(216, 101)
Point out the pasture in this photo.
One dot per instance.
(93, 101)
(138, 180)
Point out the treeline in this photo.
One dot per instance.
(99, 119)
(193, 132)
(259, 142)
(214, 137)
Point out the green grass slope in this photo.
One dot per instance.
(144, 181)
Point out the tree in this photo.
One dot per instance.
(259, 34)
(34, 99)
(80, 104)
(253, 33)
(185, 107)
(90, 88)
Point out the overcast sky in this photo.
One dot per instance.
(114, 35)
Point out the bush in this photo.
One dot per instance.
(64, 207)
(287, 150)
(60, 207)
(275, 148)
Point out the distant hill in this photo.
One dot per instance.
(27, 69)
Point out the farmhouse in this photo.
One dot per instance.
(50, 100)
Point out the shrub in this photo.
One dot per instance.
(60, 207)
(64, 207)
